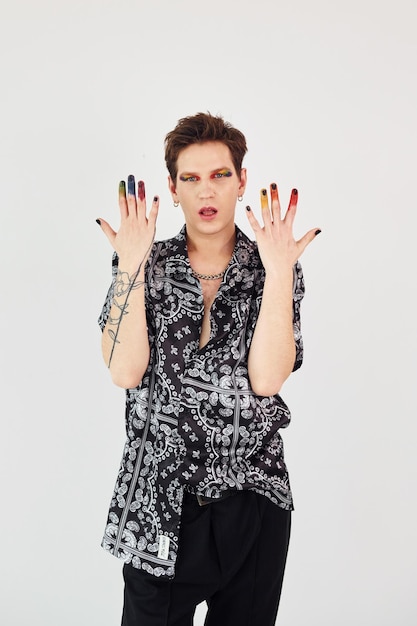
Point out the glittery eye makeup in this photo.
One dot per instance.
(225, 172)
(188, 177)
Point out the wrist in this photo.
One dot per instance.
(279, 274)
(132, 268)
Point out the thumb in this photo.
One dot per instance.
(107, 229)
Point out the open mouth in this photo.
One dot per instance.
(207, 211)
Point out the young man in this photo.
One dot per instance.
(202, 330)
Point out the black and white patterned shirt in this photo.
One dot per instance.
(194, 422)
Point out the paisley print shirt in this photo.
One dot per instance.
(194, 422)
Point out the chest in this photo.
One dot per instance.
(209, 289)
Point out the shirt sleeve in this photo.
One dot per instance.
(105, 312)
(297, 296)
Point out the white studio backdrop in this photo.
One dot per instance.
(326, 95)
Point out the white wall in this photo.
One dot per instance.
(325, 92)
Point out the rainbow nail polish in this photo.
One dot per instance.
(131, 190)
(264, 199)
(141, 190)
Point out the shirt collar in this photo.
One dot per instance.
(245, 252)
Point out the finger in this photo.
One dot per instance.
(141, 191)
(275, 205)
(122, 200)
(141, 203)
(252, 220)
(153, 213)
(266, 213)
(308, 238)
(107, 230)
(292, 207)
(131, 195)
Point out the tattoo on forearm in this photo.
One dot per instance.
(124, 284)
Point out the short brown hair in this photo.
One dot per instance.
(201, 128)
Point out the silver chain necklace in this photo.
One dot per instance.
(208, 276)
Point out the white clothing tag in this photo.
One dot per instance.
(163, 551)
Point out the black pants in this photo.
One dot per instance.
(232, 555)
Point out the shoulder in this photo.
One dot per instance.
(165, 249)
(246, 251)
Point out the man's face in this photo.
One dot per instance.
(207, 188)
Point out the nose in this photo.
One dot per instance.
(206, 189)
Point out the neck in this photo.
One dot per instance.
(210, 254)
(205, 246)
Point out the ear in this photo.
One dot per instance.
(243, 181)
(173, 189)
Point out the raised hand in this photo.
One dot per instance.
(133, 241)
(277, 247)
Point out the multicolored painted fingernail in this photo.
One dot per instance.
(248, 208)
(264, 199)
(98, 222)
(318, 231)
(131, 185)
(155, 198)
(122, 188)
(141, 190)
(273, 186)
(294, 198)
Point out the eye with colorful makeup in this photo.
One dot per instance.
(219, 174)
(224, 173)
(188, 178)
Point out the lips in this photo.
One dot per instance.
(207, 211)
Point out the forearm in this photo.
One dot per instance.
(125, 342)
(272, 351)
